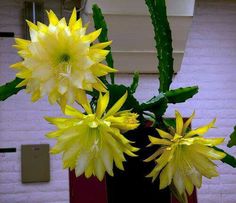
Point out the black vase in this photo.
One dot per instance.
(131, 185)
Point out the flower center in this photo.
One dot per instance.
(177, 138)
(65, 70)
(64, 57)
(92, 121)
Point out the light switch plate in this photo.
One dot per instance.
(35, 163)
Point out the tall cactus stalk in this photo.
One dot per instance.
(157, 9)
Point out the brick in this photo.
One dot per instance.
(229, 198)
(210, 198)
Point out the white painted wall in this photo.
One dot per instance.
(131, 30)
(209, 61)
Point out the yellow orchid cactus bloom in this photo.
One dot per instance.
(184, 156)
(59, 60)
(91, 142)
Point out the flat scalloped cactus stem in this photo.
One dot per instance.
(181, 94)
(10, 89)
(99, 22)
(157, 9)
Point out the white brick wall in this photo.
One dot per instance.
(209, 61)
(21, 122)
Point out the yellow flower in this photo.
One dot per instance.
(91, 142)
(60, 61)
(185, 156)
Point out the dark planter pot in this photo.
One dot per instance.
(126, 186)
(131, 185)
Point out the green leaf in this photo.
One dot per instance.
(232, 141)
(99, 22)
(181, 94)
(162, 32)
(117, 91)
(170, 122)
(135, 82)
(156, 105)
(10, 89)
(228, 159)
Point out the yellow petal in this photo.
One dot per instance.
(70, 135)
(201, 130)
(71, 111)
(58, 148)
(159, 141)
(101, 45)
(161, 163)
(24, 53)
(100, 69)
(52, 18)
(196, 178)
(62, 23)
(116, 107)
(82, 163)
(154, 155)
(54, 134)
(208, 151)
(42, 27)
(73, 18)
(188, 185)
(78, 26)
(209, 142)
(99, 86)
(63, 87)
(99, 168)
(179, 123)
(117, 153)
(32, 25)
(53, 96)
(107, 159)
(203, 164)
(98, 55)
(21, 43)
(92, 36)
(164, 134)
(130, 153)
(102, 104)
(62, 102)
(22, 84)
(70, 156)
(118, 163)
(54, 121)
(24, 74)
(179, 182)
(82, 99)
(154, 173)
(164, 158)
(35, 96)
(89, 169)
(188, 122)
(119, 136)
(62, 123)
(166, 175)
(18, 66)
